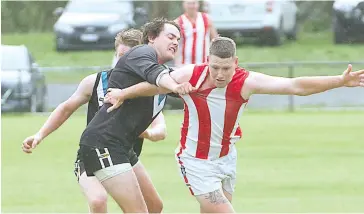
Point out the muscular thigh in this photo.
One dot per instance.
(150, 193)
(90, 186)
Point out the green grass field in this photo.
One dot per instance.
(301, 162)
(309, 47)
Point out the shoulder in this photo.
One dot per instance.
(90, 79)
(199, 68)
(142, 50)
(87, 84)
(241, 71)
(207, 17)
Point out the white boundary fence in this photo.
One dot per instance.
(289, 69)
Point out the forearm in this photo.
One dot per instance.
(167, 82)
(143, 89)
(312, 85)
(55, 120)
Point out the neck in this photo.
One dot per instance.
(160, 61)
(192, 15)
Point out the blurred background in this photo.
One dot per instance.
(63, 41)
(301, 161)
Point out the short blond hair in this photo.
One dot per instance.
(129, 37)
(223, 47)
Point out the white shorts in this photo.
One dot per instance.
(112, 171)
(204, 176)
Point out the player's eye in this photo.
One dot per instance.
(171, 37)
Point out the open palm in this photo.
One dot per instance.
(353, 78)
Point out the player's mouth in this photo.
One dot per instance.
(173, 50)
(218, 80)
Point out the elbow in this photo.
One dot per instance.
(163, 134)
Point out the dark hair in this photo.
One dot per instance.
(153, 28)
(223, 47)
(129, 37)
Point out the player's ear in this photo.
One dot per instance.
(207, 59)
(236, 61)
(151, 39)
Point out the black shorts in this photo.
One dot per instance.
(92, 159)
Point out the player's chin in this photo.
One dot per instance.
(170, 56)
(220, 84)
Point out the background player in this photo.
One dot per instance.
(91, 90)
(206, 155)
(197, 31)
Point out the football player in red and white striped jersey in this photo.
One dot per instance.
(206, 153)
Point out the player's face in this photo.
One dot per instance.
(190, 6)
(166, 43)
(121, 50)
(222, 70)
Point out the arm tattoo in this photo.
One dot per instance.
(216, 197)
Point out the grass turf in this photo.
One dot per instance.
(288, 162)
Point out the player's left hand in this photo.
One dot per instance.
(114, 96)
(30, 143)
(353, 79)
(184, 88)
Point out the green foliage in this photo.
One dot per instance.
(28, 16)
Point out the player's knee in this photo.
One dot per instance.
(98, 202)
(156, 206)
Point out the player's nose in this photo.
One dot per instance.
(175, 42)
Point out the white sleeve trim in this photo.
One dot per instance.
(165, 71)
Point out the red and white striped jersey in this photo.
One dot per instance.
(195, 39)
(210, 125)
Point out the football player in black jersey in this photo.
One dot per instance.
(107, 140)
(92, 90)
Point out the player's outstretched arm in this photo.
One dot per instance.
(258, 83)
(62, 113)
(157, 131)
(181, 75)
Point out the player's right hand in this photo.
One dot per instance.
(114, 96)
(184, 88)
(30, 143)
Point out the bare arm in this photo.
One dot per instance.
(64, 110)
(258, 83)
(213, 31)
(157, 131)
(181, 76)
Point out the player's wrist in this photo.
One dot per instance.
(340, 79)
(125, 94)
(39, 135)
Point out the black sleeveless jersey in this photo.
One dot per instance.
(98, 94)
(121, 127)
